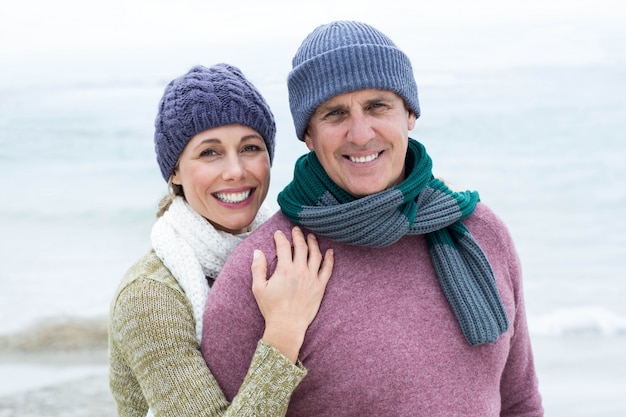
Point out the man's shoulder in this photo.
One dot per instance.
(265, 232)
(488, 228)
(277, 220)
(262, 238)
(484, 216)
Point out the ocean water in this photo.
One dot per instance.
(541, 139)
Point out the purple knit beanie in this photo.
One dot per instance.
(344, 56)
(205, 98)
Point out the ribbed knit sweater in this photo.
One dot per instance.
(155, 358)
(385, 341)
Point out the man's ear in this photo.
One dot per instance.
(308, 140)
(411, 120)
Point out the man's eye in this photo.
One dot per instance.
(334, 114)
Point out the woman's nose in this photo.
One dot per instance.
(234, 168)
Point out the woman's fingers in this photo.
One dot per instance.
(315, 256)
(300, 248)
(283, 248)
(327, 267)
(298, 259)
(259, 271)
(291, 298)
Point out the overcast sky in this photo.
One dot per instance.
(43, 25)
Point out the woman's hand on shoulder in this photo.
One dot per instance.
(290, 299)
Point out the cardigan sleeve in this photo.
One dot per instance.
(268, 385)
(153, 332)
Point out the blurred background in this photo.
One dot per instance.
(524, 102)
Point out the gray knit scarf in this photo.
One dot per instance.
(420, 205)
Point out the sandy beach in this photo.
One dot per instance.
(60, 369)
(56, 369)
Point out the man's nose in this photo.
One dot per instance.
(359, 128)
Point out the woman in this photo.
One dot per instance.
(214, 140)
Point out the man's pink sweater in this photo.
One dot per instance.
(385, 341)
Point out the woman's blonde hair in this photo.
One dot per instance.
(173, 191)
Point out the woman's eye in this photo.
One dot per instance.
(208, 152)
(251, 148)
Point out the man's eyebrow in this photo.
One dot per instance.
(382, 97)
(328, 108)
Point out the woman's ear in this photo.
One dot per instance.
(174, 179)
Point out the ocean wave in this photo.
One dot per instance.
(79, 333)
(578, 321)
(79, 215)
(68, 334)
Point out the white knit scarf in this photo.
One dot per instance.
(192, 249)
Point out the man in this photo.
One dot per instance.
(424, 314)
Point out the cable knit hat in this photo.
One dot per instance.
(205, 98)
(345, 56)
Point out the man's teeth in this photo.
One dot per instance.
(363, 159)
(233, 197)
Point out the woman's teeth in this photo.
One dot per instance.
(233, 198)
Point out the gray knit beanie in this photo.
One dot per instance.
(345, 56)
(205, 98)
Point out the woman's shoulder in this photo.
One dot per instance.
(148, 270)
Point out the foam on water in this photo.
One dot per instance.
(578, 321)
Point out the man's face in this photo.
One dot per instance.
(361, 139)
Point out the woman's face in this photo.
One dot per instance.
(225, 175)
